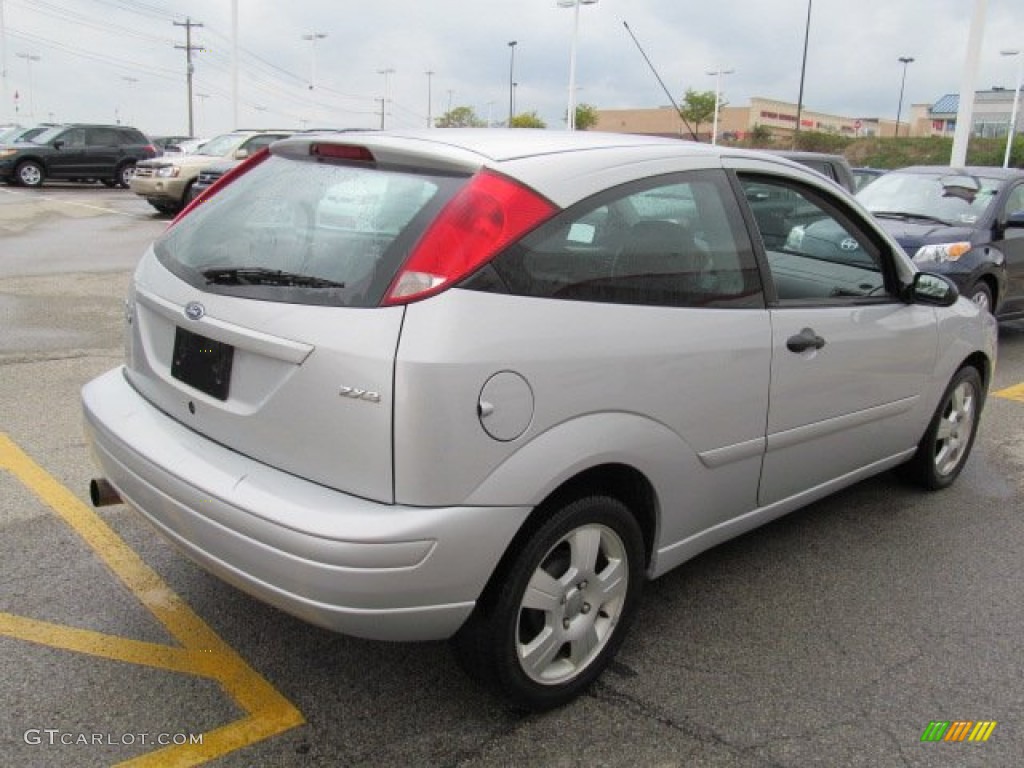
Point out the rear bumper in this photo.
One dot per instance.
(363, 568)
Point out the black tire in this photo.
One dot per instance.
(946, 445)
(981, 295)
(29, 174)
(124, 174)
(589, 559)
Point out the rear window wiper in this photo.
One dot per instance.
(907, 215)
(264, 276)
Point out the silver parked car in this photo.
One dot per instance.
(485, 384)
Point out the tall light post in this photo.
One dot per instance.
(575, 5)
(1016, 98)
(202, 100)
(430, 99)
(905, 61)
(313, 37)
(511, 84)
(965, 109)
(803, 72)
(131, 81)
(29, 58)
(718, 91)
(387, 72)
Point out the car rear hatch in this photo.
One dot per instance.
(259, 319)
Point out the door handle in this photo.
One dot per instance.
(806, 339)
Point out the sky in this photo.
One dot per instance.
(116, 60)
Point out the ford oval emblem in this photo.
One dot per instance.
(194, 310)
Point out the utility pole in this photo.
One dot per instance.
(188, 48)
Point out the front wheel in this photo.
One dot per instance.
(29, 174)
(557, 613)
(981, 295)
(943, 451)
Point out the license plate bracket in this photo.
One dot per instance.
(202, 363)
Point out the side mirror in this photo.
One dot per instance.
(58, 144)
(935, 290)
(241, 154)
(1015, 220)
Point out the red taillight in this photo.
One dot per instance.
(342, 152)
(248, 164)
(487, 214)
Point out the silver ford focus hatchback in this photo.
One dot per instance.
(484, 384)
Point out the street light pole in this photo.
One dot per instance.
(131, 81)
(313, 37)
(575, 5)
(511, 85)
(430, 99)
(29, 58)
(1016, 98)
(387, 72)
(905, 61)
(718, 90)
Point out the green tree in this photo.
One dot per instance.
(761, 135)
(460, 117)
(528, 120)
(586, 116)
(698, 107)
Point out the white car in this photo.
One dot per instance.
(485, 384)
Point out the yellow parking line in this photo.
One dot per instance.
(202, 652)
(1015, 392)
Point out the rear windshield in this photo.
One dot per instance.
(305, 232)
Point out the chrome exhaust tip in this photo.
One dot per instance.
(102, 493)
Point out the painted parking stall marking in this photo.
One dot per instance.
(1016, 392)
(73, 208)
(200, 652)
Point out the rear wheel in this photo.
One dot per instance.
(29, 174)
(946, 445)
(558, 612)
(124, 174)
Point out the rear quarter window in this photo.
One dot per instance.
(673, 241)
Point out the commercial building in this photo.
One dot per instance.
(991, 118)
(776, 116)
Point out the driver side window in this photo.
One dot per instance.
(74, 139)
(814, 253)
(1015, 202)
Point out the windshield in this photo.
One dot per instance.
(956, 200)
(221, 145)
(305, 232)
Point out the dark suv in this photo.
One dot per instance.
(76, 152)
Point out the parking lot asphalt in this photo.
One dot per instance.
(833, 637)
